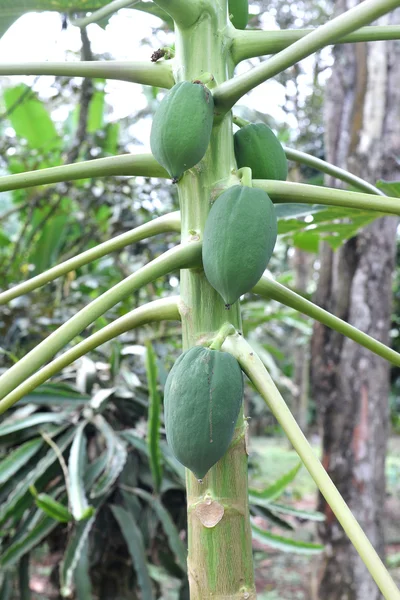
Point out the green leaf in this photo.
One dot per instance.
(56, 394)
(7, 508)
(83, 584)
(276, 489)
(96, 108)
(23, 578)
(284, 544)
(30, 119)
(290, 210)
(264, 511)
(72, 554)
(54, 509)
(6, 587)
(390, 188)
(310, 515)
(18, 458)
(36, 419)
(134, 542)
(116, 458)
(49, 243)
(175, 542)
(153, 432)
(110, 142)
(43, 526)
(76, 468)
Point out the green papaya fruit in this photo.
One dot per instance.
(238, 241)
(257, 147)
(202, 399)
(239, 13)
(181, 128)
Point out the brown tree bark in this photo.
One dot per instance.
(351, 385)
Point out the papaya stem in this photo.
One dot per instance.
(285, 191)
(164, 224)
(127, 164)
(146, 73)
(184, 256)
(158, 310)
(270, 289)
(226, 329)
(258, 374)
(229, 92)
(239, 121)
(245, 176)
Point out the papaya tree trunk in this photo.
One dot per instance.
(350, 385)
(220, 563)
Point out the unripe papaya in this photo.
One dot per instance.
(202, 399)
(239, 238)
(239, 13)
(257, 147)
(181, 128)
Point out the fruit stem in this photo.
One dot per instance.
(226, 329)
(245, 176)
(239, 121)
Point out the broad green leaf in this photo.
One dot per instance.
(30, 119)
(134, 542)
(175, 542)
(276, 489)
(36, 419)
(7, 508)
(76, 468)
(18, 458)
(153, 431)
(284, 544)
(116, 458)
(390, 188)
(49, 243)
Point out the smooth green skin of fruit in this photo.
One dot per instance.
(202, 399)
(239, 9)
(181, 128)
(239, 239)
(257, 147)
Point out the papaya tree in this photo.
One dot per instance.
(231, 190)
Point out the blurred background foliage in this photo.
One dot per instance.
(92, 503)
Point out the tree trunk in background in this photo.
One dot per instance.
(350, 385)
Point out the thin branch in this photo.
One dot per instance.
(144, 165)
(181, 257)
(154, 74)
(255, 370)
(158, 310)
(270, 289)
(103, 12)
(285, 191)
(229, 92)
(252, 43)
(329, 169)
(164, 224)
